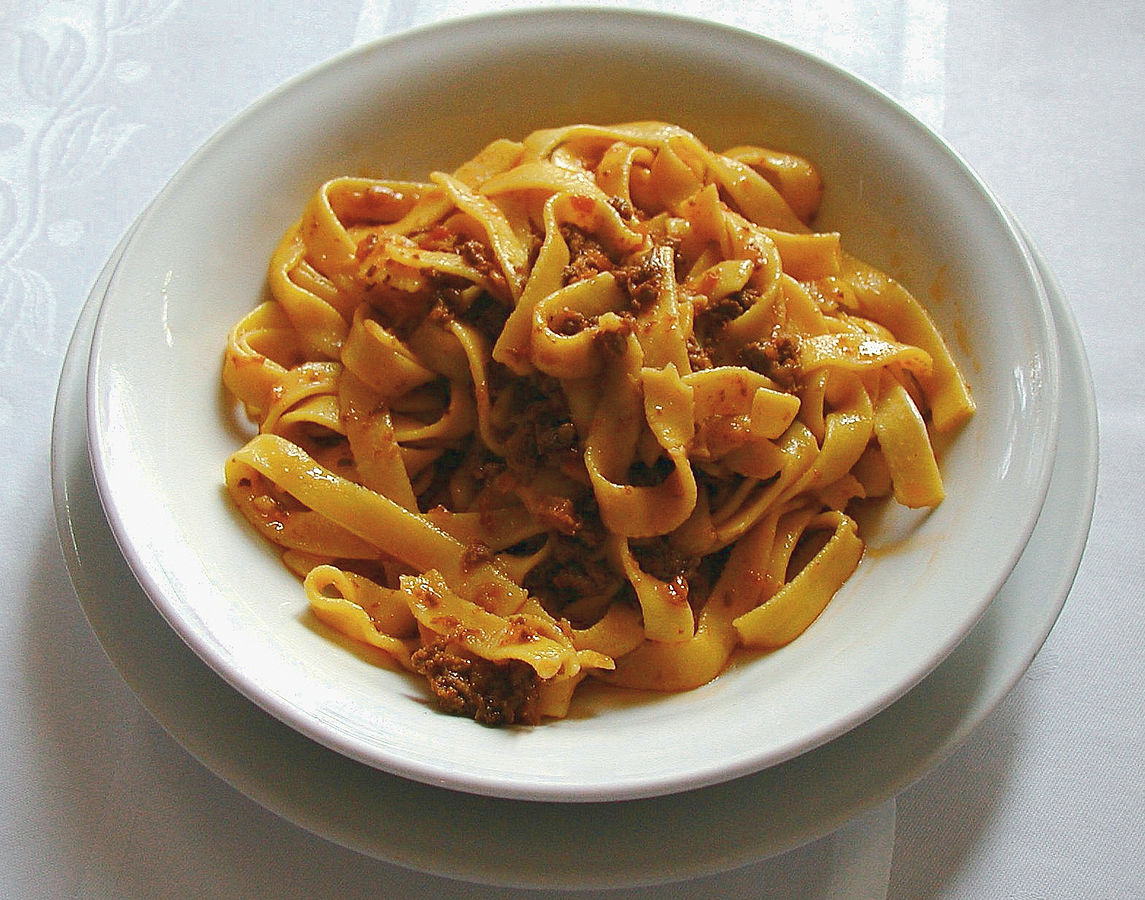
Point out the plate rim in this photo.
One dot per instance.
(493, 784)
(333, 823)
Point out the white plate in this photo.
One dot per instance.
(539, 844)
(159, 431)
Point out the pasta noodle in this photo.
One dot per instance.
(595, 404)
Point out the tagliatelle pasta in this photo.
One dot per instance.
(596, 404)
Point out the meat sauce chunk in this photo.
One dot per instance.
(489, 692)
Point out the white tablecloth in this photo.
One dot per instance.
(103, 99)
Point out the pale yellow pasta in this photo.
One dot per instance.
(596, 404)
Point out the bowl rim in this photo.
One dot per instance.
(544, 23)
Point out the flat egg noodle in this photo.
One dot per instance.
(595, 404)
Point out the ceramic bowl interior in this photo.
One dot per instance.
(161, 426)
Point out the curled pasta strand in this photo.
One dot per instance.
(662, 324)
(368, 612)
(560, 346)
(796, 179)
(530, 636)
(369, 430)
(290, 525)
(886, 301)
(511, 254)
(591, 214)
(906, 447)
(377, 520)
(686, 665)
(379, 358)
(627, 509)
(791, 610)
(260, 348)
(303, 383)
(667, 615)
(321, 328)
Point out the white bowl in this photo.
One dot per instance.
(161, 428)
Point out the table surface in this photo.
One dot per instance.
(103, 99)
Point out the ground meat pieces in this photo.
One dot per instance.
(777, 358)
(482, 258)
(613, 341)
(623, 207)
(611, 338)
(570, 321)
(587, 256)
(569, 574)
(479, 256)
(576, 566)
(543, 433)
(643, 279)
(366, 247)
(437, 238)
(661, 560)
(488, 314)
(489, 692)
(731, 307)
(699, 356)
(554, 513)
(558, 438)
(441, 310)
